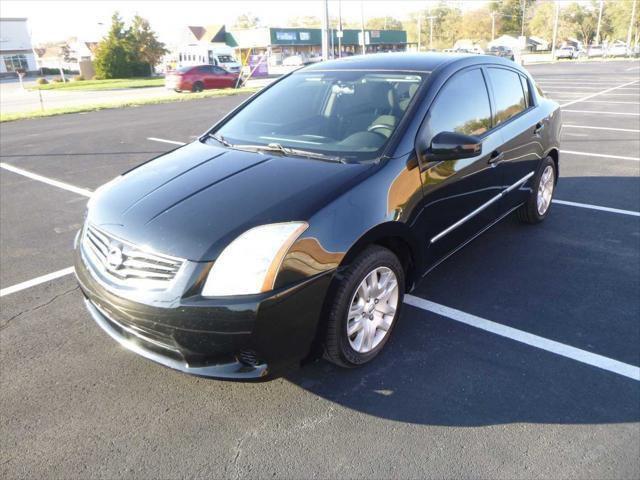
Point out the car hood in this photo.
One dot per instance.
(191, 202)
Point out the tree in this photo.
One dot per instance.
(446, 26)
(246, 20)
(581, 22)
(476, 25)
(113, 55)
(616, 16)
(509, 16)
(127, 52)
(308, 21)
(541, 24)
(148, 49)
(383, 23)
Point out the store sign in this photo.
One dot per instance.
(288, 36)
(305, 36)
(375, 33)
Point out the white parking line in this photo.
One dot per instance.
(604, 95)
(597, 207)
(610, 101)
(601, 155)
(632, 69)
(48, 181)
(530, 339)
(162, 140)
(600, 112)
(36, 281)
(599, 93)
(633, 130)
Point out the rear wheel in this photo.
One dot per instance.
(365, 308)
(538, 204)
(197, 87)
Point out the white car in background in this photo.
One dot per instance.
(566, 52)
(595, 51)
(619, 50)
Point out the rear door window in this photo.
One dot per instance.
(508, 94)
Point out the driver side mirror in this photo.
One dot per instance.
(452, 146)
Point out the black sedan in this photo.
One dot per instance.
(295, 225)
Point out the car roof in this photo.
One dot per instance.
(416, 62)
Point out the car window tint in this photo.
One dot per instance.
(462, 105)
(525, 87)
(508, 93)
(203, 69)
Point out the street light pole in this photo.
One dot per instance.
(325, 31)
(493, 26)
(364, 47)
(419, 28)
(524, 7)
(599, 20)
(339, 29)
(555, 31)
(431, 18)
(633, 14)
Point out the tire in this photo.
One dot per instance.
(197, 87)
(376, 325)
(529, 211)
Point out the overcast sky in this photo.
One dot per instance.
(60, 19)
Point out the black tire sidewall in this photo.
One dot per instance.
(380, 257)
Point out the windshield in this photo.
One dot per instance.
(350, 114)
(226, 59)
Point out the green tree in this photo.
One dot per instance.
(113, 54)
(447, 23)
(476, 25)
(509, 16)
(246, 20)
(616, 17)
(580, 22)
(307, 21)
(541, 23)
(383, 23)
(145, 45)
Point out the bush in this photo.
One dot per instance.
(78, 78)
(42, 81)
(55, 71)
(97, 77)
(57, 80)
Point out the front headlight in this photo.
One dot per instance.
(251, 262)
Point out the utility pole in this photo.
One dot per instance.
(633, 14)
(325, 31)
(524, 7)
(419, 28)
(364, 45)
(555, 31)
(599, 20)
(493, 26)
(431, 18)
(339, 29)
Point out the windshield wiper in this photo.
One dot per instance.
(219, 139)
(276, 147)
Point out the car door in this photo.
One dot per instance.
(220, 76)
(521, 128)
(459, 194)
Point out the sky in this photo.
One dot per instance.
(53, 20)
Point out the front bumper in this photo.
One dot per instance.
(243, 337)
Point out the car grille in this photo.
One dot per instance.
(125, 263)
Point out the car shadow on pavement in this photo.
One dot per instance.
(440, 372)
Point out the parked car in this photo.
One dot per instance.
(566, 52)
(595, 51)
(199, 78)
(296, 224)
(299, 60)
(501, 51)
(618, 50)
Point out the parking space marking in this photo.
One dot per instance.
(597, 207)
(610, 101)
(632, 69)
(162, 140)
(48, 181)
(530, 339)
(36, 281)
(589, 127)
(599, 93)
(601, 155)
(596, 112)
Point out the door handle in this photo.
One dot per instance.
(539, 128)
(496, 157)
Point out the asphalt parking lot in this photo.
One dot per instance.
(516, 358)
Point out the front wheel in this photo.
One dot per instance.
(536, 208)
(365, 308)
(197, 87)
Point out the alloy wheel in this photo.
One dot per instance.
(372, 309)
(545, 190)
